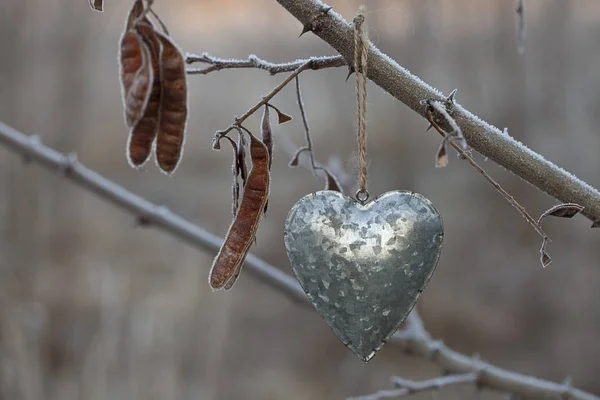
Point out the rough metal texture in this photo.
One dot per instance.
(363, 267)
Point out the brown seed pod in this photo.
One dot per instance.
(142, 134)
(131, 53)
(136, 10)
(136, 98)
(242, 232)
(131, 58)
(173, 106)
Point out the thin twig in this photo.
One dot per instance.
(217, 64)
(309, 146)
(413, 338)
(481, 136)
(407, 387)
(238, 121)
(545, 259)
(465, 155)
(331, 180)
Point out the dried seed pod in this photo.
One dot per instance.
(136, 10)
(267, 134)
(131, 53)
(142, 134)
(173, 106)
(242, 231)
(139, 92)
(97, 5)
(131, 57)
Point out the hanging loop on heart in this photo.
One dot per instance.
(362, 196)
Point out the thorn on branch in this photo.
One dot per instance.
(313, 24)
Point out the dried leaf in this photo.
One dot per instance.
(295, 161)
(545, 259)
(566, 210)
(243, 229)
(283, 118)
(332, 182)
(173, 106)
(441, 160)
(136, 98)
(97, 5)
(267, 134)
(143, 134)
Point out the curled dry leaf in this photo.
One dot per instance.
(173, 106)
(332, 182)
(441, 159)
(228, 262)
(566, 210)
(545, 258)
(283, 118)
(97, 5)
(267, 134)
(143, 134)
(295, 161)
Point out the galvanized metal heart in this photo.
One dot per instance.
(363, 267)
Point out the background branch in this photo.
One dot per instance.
(481, 136)
(413, 337)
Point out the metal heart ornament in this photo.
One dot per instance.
(363, 266)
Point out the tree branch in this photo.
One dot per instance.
(413, 337)
(217, 64)
(409, 387)
(239, 120)
(481, 136)
(418, 342)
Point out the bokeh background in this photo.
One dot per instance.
(92, 307)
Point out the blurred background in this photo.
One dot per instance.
(92, 307)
